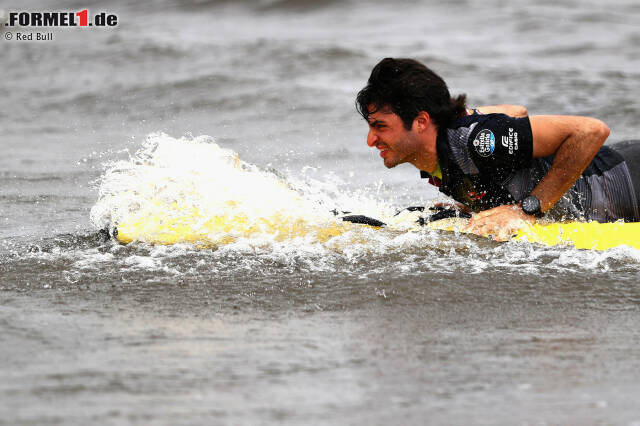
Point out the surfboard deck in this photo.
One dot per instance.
(220, 230)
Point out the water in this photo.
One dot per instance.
(367, 327)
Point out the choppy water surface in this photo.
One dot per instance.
(394, 326)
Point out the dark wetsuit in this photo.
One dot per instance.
(487, 161)
(630, 150)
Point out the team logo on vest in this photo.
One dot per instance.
(511, 142)
(485, 142)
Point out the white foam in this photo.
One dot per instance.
(168, 177)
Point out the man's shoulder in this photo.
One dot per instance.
(477, 127)
(486, 141)
(460, 130)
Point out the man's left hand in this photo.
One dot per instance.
(501, 222)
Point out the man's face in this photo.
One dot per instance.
(397, 145)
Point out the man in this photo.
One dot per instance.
(508, 169)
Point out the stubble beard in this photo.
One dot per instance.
(390, 162)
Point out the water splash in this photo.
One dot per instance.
(192, 190)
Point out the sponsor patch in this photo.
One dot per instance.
(485, 142)
(511, 142)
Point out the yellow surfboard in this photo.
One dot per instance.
(190, 227)
(193, 191)
(584, 235)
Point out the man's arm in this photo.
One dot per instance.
(510, 110)
(574, 141)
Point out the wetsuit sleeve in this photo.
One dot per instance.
(502, 142)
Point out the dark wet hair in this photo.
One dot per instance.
(406, 87)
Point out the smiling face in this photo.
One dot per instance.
(397, 145)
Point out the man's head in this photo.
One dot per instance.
(405, 103)
(406, 87)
